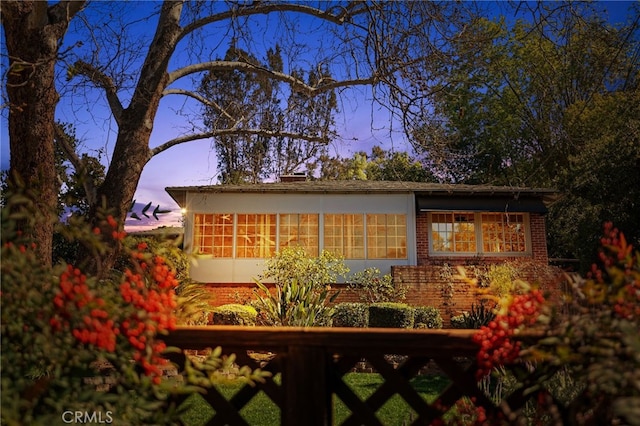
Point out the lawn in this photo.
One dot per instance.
(261, 411)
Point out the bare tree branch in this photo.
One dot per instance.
(233, 131)
(258, 8)
(297, 84)
(199, 98)
(105, 82)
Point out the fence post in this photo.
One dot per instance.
(307, 399)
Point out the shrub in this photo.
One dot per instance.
(234, 314)
(426, 317)
(294, 304)
(295, 264)
(459, 321)
(480, 315)
(390, 315)
(373, 288)
(351, 315)
(301, 288)
(594, 340)
(71, 321)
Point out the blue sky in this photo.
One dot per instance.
(360, 125)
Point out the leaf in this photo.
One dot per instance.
(135, 216)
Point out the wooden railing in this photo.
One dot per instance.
(313, 361)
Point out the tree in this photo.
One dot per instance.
(367, 44)
(547, 101)
(33, 31)
(243, 101)
(378, 165)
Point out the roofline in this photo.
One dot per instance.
(178, 193)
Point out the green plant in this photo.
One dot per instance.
(193, 303)
(480, 315)
(294, 304)
(295, 264)
(59, 323)
(301, 289)
(371, 287)
(594, 342)
(234, 314)
(390, 315)
(350, 315)
(426, 317)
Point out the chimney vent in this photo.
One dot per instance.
(294, 177)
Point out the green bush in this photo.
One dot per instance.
(390, 315)
(426, 317)
(234, 314)
(371, 287)
(480, 315)
(294, 304)
(351, 315)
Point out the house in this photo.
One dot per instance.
(407, 229)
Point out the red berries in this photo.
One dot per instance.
(143, 307)
(495, 339)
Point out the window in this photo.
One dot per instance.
(503, 233)
(352, 235)
(344, 235)
(453, 232)
(489, 233)
(299, 230)
(256, 235)
(386, 236)
(213, 234)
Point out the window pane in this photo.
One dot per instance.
(386, 236)
(256, 235)
(213, 234)
(344, 235)
(503, 233)
(453, 232)
(300, 230)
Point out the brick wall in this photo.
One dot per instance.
(442, 287)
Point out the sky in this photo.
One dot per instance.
(360, 126)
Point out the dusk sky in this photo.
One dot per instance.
(360, 126)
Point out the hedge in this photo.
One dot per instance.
(234, 314)
(351, 315)
(426, 317)
(390, 315)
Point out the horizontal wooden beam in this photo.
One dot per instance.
(426, 342)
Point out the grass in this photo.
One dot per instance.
(261, 411)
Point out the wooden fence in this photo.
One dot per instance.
(313, 361)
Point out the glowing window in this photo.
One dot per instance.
(213, 234)
(344, 235)
(299, 230)
(255, 235)
(386, 236)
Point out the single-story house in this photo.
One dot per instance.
(399, 227)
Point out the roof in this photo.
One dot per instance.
(178, 193)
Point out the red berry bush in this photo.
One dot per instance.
(575, 361)
(62, 326)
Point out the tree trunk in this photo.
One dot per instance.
(32, 31)
(131, 152)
